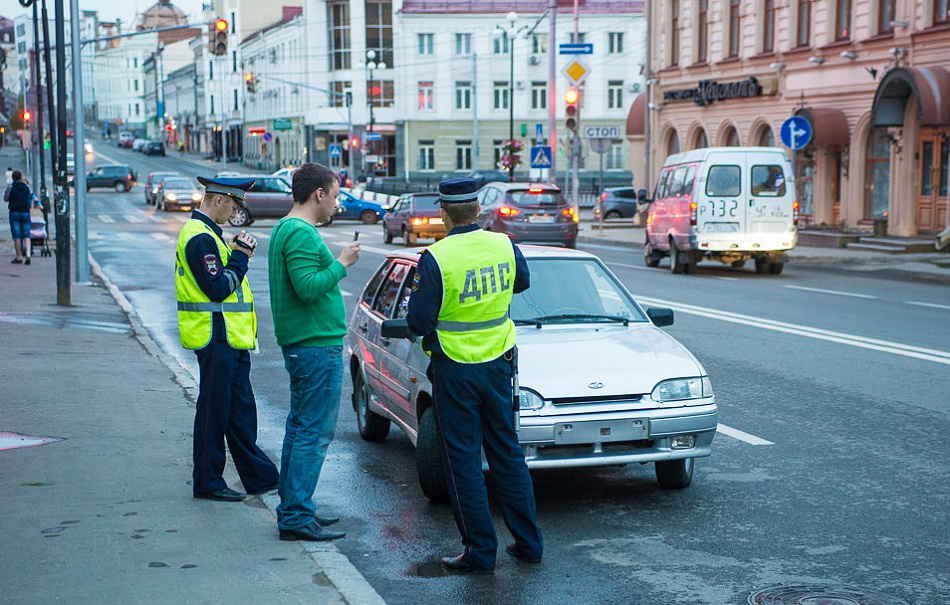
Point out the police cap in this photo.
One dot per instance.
(458, 191)
(233, 188)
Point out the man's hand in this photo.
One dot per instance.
(350, 254)
(245, 242)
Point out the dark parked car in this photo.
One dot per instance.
(414, 215)
(115, 176)
(528, 212)
(269, 197)
(177, 193)
(616, 202)
(154, 148)
(483, 177)
(153, 182)
(352, 207)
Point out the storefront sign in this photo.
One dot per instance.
(282, 124)
(256, 131)
(708, 92)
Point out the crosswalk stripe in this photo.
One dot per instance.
(162, 237)
(105, 218)
(131, 218)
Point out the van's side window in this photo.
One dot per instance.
(724, 181)
(688, 181)
(661, 186)
(768, 181)
(676, 185)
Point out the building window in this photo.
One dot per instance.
(674, 32)
(338, 16)
(768, 28)
(426, 155)
(615, 94)
(463, 155)
(211, 70)
(463, 95)
(615, 43)
(501, 45)
(885, 16)
(235, 107)
(212, 104)
(135, 84)
(843, 20)
(539, 95)
(136, 109)
(804, 23)
(379, 30)
(498, 150)
(341, 89)
(941, 11)
(581, 38)
(135, 62)
(703, 41)
(426, 96)
(734, 24)
(233, 61)
(614, 156)
(380, 93)
(731, 138)
(501, 95)
(539, 44)
(426, 43)
(463, 44)
(767, 138)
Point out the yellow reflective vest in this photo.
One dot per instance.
(195, 308)
(478, 275)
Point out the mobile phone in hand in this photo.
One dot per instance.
(356, 236)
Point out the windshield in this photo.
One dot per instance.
(573, 291)
(177, 184)
(525, 197)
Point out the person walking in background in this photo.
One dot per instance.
(471, 341)
(310, 323)
(216, 319)
(19, 199)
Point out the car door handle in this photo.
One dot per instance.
(384, 342)
(363, 328)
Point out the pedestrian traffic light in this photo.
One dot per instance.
(572, 98)
(250, 82)
(218, 38)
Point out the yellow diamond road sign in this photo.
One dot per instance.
(576, 71)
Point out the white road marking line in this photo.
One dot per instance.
(157, 219)
(834, 292)
(884, 346)
(132, 219)
(640, 267)
(924, 304)
(370, 249)
(162, 237)
(126, 237)
(345, 293)
(94, 235)
(741, 435)
(726, 278)
(105, 218)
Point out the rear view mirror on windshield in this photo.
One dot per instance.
(661, 317)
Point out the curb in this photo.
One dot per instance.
(338, 569)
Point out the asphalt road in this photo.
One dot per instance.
(834, 389)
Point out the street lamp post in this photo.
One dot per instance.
(510, 33)
(371, 65)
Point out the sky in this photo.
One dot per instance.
(108, 9)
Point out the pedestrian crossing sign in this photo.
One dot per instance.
(540, 157)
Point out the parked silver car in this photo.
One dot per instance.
(600, 383)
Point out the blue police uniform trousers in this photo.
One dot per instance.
(473, 410)
(226, 411)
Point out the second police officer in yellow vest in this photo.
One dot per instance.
(217, 319)
(461, 292)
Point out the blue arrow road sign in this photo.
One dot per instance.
(373, 136)
(540, 157)
(336, 151)
(796, 132)
(539, 133)
(575, 49)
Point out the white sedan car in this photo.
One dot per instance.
(600, 383)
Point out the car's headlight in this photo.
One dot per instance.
(530, 400)
(171, 197)
(385, 206)
(682, 389)
(154, 189)
(196, 197)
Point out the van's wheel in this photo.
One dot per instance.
(650, 256)
(776, 268)
(676, 259)
(239, 218)
(387, 236)
(371, 425)
(121, 186)
(762, 266)
(430, 463)
(738, 264)
(674, 474)
(369, 217)
(613, 214)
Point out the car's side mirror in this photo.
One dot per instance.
(661, 317)
(642, 196)
(396, 328)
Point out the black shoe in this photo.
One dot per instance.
(463, 563)
(515, 551)
(269, 488)
(311, 532)
(26, 261)
(223, 495)
(16, 261)
(326, 521)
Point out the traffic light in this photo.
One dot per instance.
(27, 117)
(572, 117)
(355, 142)
(250, 82)
(218, 38)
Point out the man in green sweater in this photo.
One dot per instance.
(310, 322)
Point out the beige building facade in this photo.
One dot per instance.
(872, 77)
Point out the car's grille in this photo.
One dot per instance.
(618, 399)
(554, 452)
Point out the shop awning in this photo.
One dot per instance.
(829, 126)
(931, 86)
(636, 121)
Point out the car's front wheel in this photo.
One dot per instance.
(429, 459)
(371, 425)
(674, 474)
(240, 218)
(369, 217)
(387, 236)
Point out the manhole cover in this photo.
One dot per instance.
(811, 594)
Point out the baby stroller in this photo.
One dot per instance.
(39, 236)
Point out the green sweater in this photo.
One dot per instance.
(305, 297)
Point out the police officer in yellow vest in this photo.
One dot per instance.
(459, 305)
(216, 318)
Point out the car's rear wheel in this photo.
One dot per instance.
(613, 214)
(371, 425)
(738, 264)
(387, 236)
(369, 217)
(762, 266)
(674, 474)
(776, 268)
(408, 239)
(571, 243)
(429, 459)
(650, 256)
(240, 218)
(677, 265)
(121, 186)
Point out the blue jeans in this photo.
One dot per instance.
(316, 384)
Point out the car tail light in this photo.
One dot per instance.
(128, 177)
(795, 209)
(535, 190)
(692, 212)
(508, 211)
(420, 220)
(603, 196)
(569, 212)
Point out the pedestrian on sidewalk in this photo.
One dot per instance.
(216, 319)
(310, 323)
(471, 341)
(19, 200)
